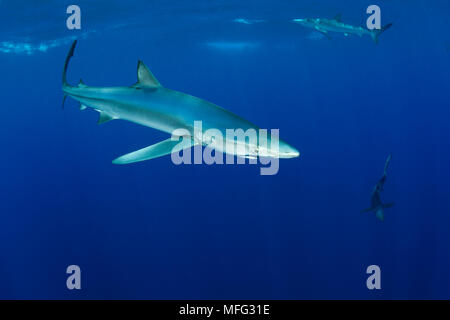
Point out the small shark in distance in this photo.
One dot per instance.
(376, 204)
(248, 21)
(150, 104)
(324, 26)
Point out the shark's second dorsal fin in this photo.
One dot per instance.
(81, 84)
(338, 17)
(145, 77)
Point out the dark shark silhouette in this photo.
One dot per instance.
(377, 205)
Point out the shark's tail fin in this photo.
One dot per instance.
(380, 211)
(66, 64)
(380, 214)
(376, 32)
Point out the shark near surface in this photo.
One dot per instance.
(150, 104)
(324, 26)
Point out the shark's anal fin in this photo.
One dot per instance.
(104, 117)
(156, 150)
(145, 77)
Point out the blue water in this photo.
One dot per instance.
(160, 231)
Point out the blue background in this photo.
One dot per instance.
(160, 231)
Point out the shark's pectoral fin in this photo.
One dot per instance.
(324, 32)
(104, 117)
(156, 150)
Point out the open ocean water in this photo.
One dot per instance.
(156, 230)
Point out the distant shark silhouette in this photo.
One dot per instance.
(324, 26)
(149, 104)
(377, 205)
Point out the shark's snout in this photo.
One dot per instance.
(286, 151)
(306, 21)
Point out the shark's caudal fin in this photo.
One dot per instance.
(380, 214)
(376, 32)
(154, 151)
(66, 64)
(379, 211)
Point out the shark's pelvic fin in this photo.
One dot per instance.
(104, 117)
(146, 77)
(154, 151)
(82, 107)
(338, 17)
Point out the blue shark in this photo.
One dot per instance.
(149, 104)
(233, 46)
(248, 21)
(324, 26)
(376, 204)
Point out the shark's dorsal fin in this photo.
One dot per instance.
(338, 17)
(145, 77)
